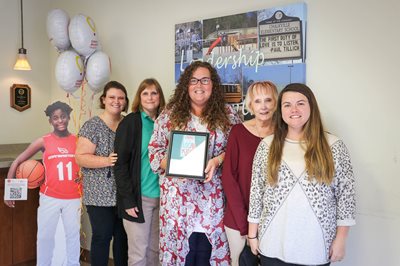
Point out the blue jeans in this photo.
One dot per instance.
(105, 226)
(199, 250)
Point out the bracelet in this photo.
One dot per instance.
(219, 160)
(252, 237)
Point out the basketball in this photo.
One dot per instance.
(31, 170)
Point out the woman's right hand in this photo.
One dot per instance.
(132, 212)
(10, 203)
(253, 243)
(112, 158)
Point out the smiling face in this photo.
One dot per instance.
(150, 100)
(295, 112)
(59, 120)
(200, 93)
(114, 101)
(263, 104)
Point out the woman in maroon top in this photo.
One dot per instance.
(236, 174)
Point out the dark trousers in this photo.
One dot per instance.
(105, 226)
(266, 261)
(199, 250)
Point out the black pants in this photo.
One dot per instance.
(266, 261)
(105, 226)
(199, 250)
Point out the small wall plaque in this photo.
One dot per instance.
(20, 97)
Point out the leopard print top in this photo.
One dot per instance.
(333, 205)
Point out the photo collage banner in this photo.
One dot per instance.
(268, 44)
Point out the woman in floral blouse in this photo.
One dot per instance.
(302, 199)
(95, 154)
(191, 211)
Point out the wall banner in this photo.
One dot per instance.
(268, 44)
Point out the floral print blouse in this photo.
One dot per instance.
(183, 202)
(99, 187)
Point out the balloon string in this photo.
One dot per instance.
(91, 105)
(73, 105)
(82, 103)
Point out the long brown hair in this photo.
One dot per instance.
(214, 113)
(137, 106)
(318, 155)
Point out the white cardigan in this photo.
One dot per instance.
(321, 209)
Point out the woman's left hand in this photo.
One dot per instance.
(337, 250)
(212, 166)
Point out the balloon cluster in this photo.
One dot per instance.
(80, 56)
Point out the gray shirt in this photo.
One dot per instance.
(99, 188)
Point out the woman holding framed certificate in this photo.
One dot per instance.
(191, 210)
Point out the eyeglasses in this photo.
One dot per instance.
(204, 81)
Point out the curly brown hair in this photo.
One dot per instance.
(214, 113)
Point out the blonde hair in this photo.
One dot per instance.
(256, 87)
(318, 155)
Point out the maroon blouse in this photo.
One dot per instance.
(236, 176)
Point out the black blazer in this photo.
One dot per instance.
(127, 169)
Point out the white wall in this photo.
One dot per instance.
(352, 66)
(21, 127)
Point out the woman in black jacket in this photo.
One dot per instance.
(137, 186)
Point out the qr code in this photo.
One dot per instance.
(15, 193)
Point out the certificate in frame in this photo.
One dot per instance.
(187, 154)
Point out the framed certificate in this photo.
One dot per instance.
(187, 154)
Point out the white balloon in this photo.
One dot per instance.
(69, 71)
(57, 29)
(82, 33)
(98, 71)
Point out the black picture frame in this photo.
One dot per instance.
(187, 154)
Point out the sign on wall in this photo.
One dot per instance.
(20, 97)
(267, 44)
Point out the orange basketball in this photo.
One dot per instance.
(33, 171)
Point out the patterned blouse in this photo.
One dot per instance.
(99, 188)
(330, 205)
(185, 201)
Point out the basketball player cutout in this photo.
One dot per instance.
(60, 193)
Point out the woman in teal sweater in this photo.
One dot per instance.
(137, 186)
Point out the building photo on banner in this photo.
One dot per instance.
(268, 44)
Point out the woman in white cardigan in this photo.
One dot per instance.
(302, 198)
